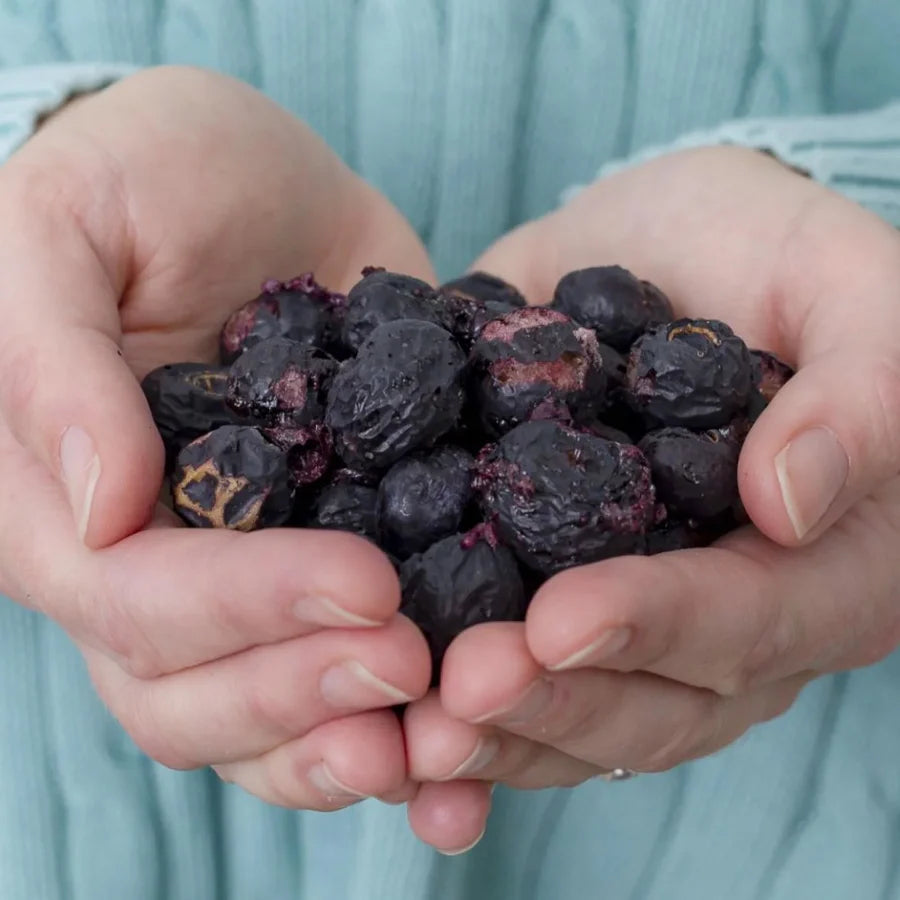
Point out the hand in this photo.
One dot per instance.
(135, 221)
(644, 663)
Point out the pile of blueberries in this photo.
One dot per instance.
(483, 444)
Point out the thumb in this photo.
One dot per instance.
(66, 392)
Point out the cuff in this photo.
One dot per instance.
(856, 154)
(30, 93)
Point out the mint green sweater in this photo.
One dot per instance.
(473, 115)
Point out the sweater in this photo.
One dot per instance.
(473, 116)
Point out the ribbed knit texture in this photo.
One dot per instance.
(473, 115)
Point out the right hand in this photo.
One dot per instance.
(134, 222)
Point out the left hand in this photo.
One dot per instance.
(644, 663)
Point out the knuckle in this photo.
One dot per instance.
(688, 739)
(885, 383)
(776, 640)
(269, 706)
(110, 623)
(143, 726)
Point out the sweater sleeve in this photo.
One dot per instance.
(855, 154)
(30, 93)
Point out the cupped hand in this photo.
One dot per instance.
(135, 221)
(644, 663)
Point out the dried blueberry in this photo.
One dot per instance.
(346, 505)
(769, 373)
(612, 301)
(299, 309)
(465, 317)
(693, 372)
(695, 474)
(529, 357)
(677, 534)
(456, 584)
(232, 478)
(403, 392)
(309, 450)
(186, 400)
(281, 382)
(382, 297)
(485, 288)
(422, 499)
(659, 304)
(561, 498)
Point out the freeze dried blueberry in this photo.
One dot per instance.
(299, 309)
(465, 317)
(456, 584)
(403, 392)
(382, 297)
(769, 373)
(695, 474)
(532, 356)
(232, 478)
(610, 300)
(422, 499)
(695, 373)
(561, 498)
(186, 400)
(677, 534)
(485, 288)
(659, 304)
(279, 381)
(309, 450)
(345, 505)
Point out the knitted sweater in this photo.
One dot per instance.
(473, 115)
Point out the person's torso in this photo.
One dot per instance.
(474, 114)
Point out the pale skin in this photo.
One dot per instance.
(137, 219)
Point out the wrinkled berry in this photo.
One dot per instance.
(281, 382)
(485, 288)
(529, 357)
(612, 301)
(561, 498)
(465, 317)
(678, 534)
(187, 400)
(299, 309)
(403, 392)
(770, 374)
(309, 450)
(232, 478)
(659, 304)
(382, 297)
(695, 474)
(693, 372)
(456, 584)
(346, 504)
(422, 499)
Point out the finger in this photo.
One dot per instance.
(174, 598)
(335, 765)
(66, 391)
(608, 719)
(441, 748)
(452, 817)
(168, 598)
(734, 616)
(241, 706)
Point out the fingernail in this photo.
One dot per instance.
(323, 779)
(812, 470)
(531, 704)
(610, 642)
(351, 685)
(484, 753)
(80, 468)
(322, 611)
(465, 849)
